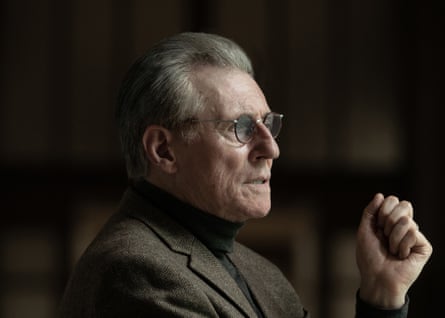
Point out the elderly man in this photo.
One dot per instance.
(199, 141)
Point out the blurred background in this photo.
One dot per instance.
(359, 83)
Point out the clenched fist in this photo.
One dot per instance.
(391, 251)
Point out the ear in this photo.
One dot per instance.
(157, 147)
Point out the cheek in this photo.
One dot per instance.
(216, 175)
(227, 167)
(226, 180)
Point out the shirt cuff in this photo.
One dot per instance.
(365, 310)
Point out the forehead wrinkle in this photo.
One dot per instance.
(225, 99)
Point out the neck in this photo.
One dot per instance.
(216, 233)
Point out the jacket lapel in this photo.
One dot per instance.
(178, 239)
(206, 265)
(258, 289)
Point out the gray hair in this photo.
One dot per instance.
(158, 88)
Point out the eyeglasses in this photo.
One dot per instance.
(245, 125)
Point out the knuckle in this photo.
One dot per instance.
(404, 220)
(392, 198)
(406, 204)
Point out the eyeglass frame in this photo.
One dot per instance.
(255, 121)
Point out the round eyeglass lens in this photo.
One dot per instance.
(244, 128)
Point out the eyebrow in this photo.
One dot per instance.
(250, 114)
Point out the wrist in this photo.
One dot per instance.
(363, 309)
(382, 298)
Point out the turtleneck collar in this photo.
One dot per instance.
(216, 233)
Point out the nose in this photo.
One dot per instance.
(264, 146)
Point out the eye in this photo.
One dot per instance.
(245, 128)
(227, 128)
(246, 122)
(231, 127)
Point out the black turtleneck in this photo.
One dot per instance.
(217, 234)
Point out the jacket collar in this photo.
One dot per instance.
(216, 233)
(180, 240)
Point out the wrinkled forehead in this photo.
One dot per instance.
(228, 93)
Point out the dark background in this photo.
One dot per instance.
(359, 83)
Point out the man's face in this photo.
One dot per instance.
(217, 173)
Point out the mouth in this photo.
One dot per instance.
(262, 181)
(258, 181)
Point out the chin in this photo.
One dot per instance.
(258, 213)
(251, 209)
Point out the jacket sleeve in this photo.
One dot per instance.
(364, 310)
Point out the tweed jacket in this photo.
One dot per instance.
(145, 264)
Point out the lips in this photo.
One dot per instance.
(260, 180)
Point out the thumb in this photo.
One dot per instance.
(370, 212)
